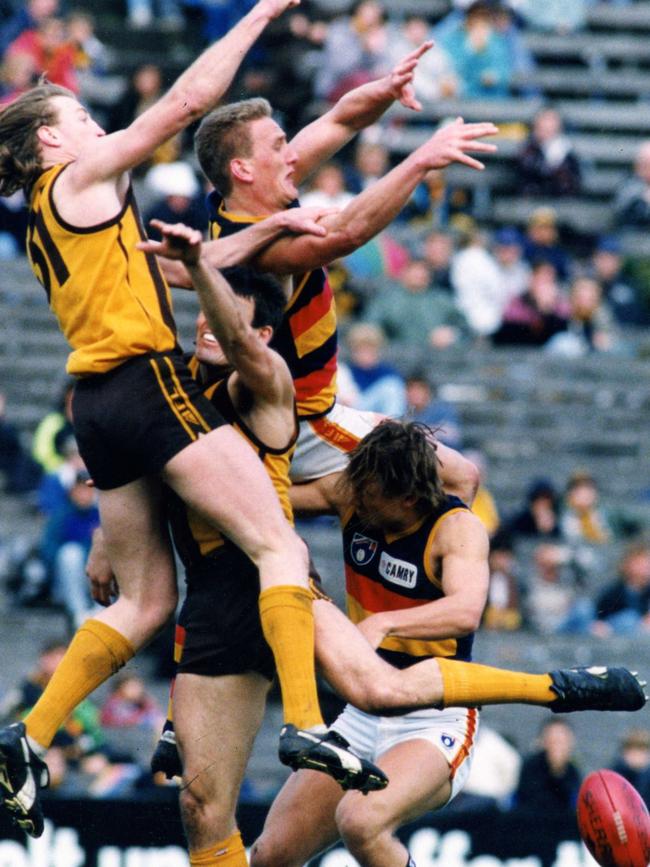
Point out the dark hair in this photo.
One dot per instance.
(268, 296)
(223, 135)
(20, 157)
(401, 458)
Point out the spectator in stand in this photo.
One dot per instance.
(53, 431)
(142, 13)
(556, 16)
(411, 312)
(542, 242)
(378, 386)
(437, 250)
(547, 164)
(50, 50)
(354, 51)
(555, 601)
(622, 296)
(425, 405)
(27, 17)
(328, 189)
(503, 608)
(539, 518)
(550, 779)
(590, 326)
(129, 704)
(633, 760)
(632, 202)
(479, 291)
(20, 471)
(623, 608)
(514, 271)
(479, 53)
(65, 545)
(521, 58)
(484, 505)
(371, 162)
(536, 316)
(435, 78)
(582, 519)
(17, 74)
(178, 196)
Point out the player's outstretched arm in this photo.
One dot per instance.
(195, 92)
(374, 208)
(356, 110)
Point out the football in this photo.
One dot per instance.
(613, 820)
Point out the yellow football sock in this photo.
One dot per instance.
(226, 853)
(95, 653)
(466, 684)
(288, 626)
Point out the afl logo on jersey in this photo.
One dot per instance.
(362, 549)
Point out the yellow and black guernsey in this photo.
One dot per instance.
(194, 537)
(111, 300)
(307, 337)
(392, 572)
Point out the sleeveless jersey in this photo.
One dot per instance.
(195, 537)
(111, 300)
(387, 572)
(307, 337)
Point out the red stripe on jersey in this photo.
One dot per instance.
(314, 383)
(373, 597)
(302, 320)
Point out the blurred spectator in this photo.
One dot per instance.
(555, 602)
(141, 13)
(437, 251)
(411, 312)
(20, 471)
(503, 608)
(435, 77)
(371, 162)
(65, 544)
(590, 326)
(53, 431)
(539, 518)
(354, 51)
(479, 54)
(556, 16)
(582, 519)
(622, 296)
(514, 271)
(633, 760)
(623, 607)
(48, 47)
(129, 704)
(484, 505)
(178, 196)
(327, 189)
(537, 315)
(549, 778)
(81, 732)
(521, 59)
(547, 164)
(426, 406)
(17, 74)
(542, 242)
(378, 386)
(478, 288)
(27, 17)
(632, 202)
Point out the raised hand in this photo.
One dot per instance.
(453, 143)
(274, 8)
(306, 221)
(401, 77)
(179, 242)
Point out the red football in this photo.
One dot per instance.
(613, 821)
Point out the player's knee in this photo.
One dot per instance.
(358, 824)
(269, 851)
(201, 812)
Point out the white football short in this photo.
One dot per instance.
(324, 443)
(453, 731)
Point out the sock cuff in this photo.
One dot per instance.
(286, 596)
(119, 647)
(222, 852)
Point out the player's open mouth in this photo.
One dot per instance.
(208, 336)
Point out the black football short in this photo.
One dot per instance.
(131, 421)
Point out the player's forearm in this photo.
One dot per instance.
(450, 617)
(239, 248)
(364, 105)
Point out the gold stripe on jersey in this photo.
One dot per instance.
(110, 299)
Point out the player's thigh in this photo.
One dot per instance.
(216, 721)
(419, 777)
(300, 822)
(220, 476)
(136, 542)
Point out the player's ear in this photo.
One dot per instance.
(48, 135)
(241, 169)
(266, 333)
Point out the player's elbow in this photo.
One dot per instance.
(468, 621)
